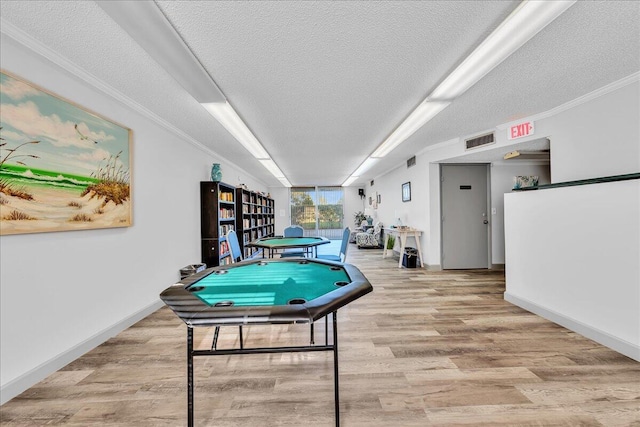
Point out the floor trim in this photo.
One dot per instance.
(23, 382)
(601, 337)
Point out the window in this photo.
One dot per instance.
(318, 210)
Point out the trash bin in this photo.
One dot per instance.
(409, 258)
(191, 269)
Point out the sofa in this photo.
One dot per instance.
(372, 238)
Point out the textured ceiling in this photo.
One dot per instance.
(321, 84)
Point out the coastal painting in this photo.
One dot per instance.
(62, 167)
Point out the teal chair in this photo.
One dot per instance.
(234, 246)
(342, 256)
(293, 231)
(236, 256)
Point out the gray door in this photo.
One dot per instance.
(465, 225)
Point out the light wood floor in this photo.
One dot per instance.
(424, 349)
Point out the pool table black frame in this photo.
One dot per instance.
(195, 313)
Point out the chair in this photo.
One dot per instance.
(342, 256)
(293, 231)
(372, 238)
(234, 246)
(236, 256)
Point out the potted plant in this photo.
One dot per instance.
(359, 217)
(391, 242)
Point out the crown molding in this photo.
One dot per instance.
(618, 84)
(21, 37)
(549, 113)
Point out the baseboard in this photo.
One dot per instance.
(601, 337)
(15, 387)
(497, 266)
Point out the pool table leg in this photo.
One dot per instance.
(335, 368)
(326, 330)
(189, 376)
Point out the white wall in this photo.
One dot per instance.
(414, 213)
(597, 138)
(502, 183)
(352, 204)
(573, 256)
(63, 293)
(280, 197)
(596, 135)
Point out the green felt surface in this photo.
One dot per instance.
(269, 283)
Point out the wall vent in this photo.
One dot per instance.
(479, 141)
(411, 162)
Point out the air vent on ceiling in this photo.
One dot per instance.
(479, 141)
(411, 162)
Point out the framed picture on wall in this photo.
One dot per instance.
(62, 167)
(406, 192)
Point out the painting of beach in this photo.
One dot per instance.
(61, 167)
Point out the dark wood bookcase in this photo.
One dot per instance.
(217, 217)
(255, 218)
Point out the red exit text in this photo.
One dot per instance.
(520, 130)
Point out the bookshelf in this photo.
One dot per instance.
(256, 218)
(217, 217)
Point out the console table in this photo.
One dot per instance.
(402, 233)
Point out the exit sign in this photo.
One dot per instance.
(520, 130)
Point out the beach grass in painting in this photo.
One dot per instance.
(61, 166)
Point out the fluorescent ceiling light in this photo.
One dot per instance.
(350, 180)
(421, 115)
(527, 20)
(147, 25)
(285, 182)
(365, 166)
(227, 116)
(271, 166)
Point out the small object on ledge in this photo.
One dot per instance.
(216, 173)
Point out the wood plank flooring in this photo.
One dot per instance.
(424, 349)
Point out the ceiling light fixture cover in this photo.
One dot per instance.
(271, 166)
(421, 115)
(285, 182)
(147, 25)
(365, 166)
(350, 180)
(227, 116)
(527, 20)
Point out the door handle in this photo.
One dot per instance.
(486, 221)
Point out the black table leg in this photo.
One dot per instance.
(213, 352)
(335, 368)
(326, 330)
(189, 377)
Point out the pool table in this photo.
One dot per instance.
(262, 292)
(274, 244)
